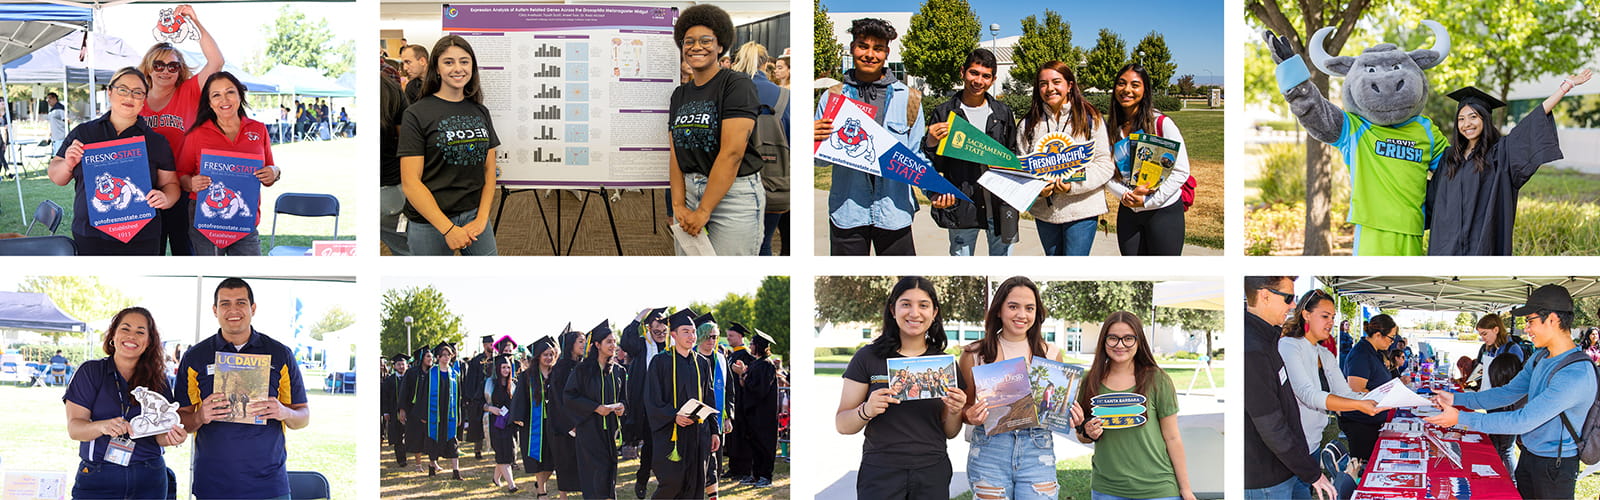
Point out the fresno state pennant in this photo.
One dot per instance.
(227, 210)
(116, 177)
(858, 142)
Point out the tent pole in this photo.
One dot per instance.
(11, 139)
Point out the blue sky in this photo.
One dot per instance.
(1193, 30)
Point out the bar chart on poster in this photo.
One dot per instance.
(578, 93)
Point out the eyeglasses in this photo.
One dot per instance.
(1128, 341)
(705, 41)
(127, 92)
(1288, 298)
(160, 66)
(1529, 318)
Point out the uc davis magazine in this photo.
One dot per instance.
(243, 377)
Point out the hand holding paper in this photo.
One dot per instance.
(1394, 394)
(858, 142)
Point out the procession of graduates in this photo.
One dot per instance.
(573, 405)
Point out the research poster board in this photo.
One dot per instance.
(578, 93)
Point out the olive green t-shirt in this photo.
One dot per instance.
(1133, 462)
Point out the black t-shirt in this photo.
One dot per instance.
(389, 135)
(697, 114)
(453, 139)
(909, 435)
(157, 150)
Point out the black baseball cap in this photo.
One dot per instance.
(1546, 298)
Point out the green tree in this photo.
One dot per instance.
(845, 299)
(1041, 42)
(1151, 52)
(1092, 301)
(1109, 54)
(772, 312)
(84, 298)
(827, 53)
(736, 308)
(1186, 85)
(942, 33)
(432, 321)
(1192, 320)
(1288, 18)
(1466, 321)
(295, 40)
(961, 298)
(332, 321)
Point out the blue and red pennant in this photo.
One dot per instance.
(116, 178)
(228, 210)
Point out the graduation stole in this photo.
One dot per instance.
(605, 376)
(536, 416)
(697, 384)
(718, 386)
(450, 411)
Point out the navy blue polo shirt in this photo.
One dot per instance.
(99, 387)
(234, 460)
(1366, 362)
(157, 150)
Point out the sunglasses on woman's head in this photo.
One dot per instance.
(160, 66)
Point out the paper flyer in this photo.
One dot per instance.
(1395, 394)
(1018, 189)
(1392, 480)
(116, 177)
(228, 210)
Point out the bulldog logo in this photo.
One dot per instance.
(223, 203)
(114, 193)
(174, 28)
(252, 136)
(853, 140)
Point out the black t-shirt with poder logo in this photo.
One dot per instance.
(697, 115)
(453, 139)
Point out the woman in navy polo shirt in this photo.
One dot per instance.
(126, 93)
(100, 403)
(1364, 370)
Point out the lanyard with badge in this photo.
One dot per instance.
(121, 450)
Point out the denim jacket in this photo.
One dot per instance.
(860, 199)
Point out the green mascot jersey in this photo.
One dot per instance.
(1389, 168)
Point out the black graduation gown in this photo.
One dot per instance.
(562, 443)
(638, 419)
(684, 478)
(533, 391)
(738, 451)
(1472, 213)
(444, 432)
(589, 387)
(414, 399)
(472, 382)
(758, 420)
(392, 404)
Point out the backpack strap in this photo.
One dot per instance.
(1566, 360)
(783, 102)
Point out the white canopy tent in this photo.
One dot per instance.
(1478, 294)
(1205, 295)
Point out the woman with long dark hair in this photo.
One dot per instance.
(502, 433)
(1062, 121)
(414, 408)
(443, 415)
(1018, 463)
(126, 93)
(904, 455)
(447, 164)
(563, 443)
(1144, 460)
(222, 125)
(1473, 195)
(1313, 371)
(1150, 218)
(170, 109)
(1364, 370)
(594, 399)
(532, 413)
(100, 404)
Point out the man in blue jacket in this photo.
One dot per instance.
(1549, 465)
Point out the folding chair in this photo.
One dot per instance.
(39, 246)
(303, 205)
(47, 213)
(306, 485)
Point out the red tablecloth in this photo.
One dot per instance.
(1481, 452)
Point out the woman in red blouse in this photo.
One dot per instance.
(223, 125)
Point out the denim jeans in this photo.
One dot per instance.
(1016, 464)
(423, 239)
(775, 223)
(1095, 495)
(392, 203)
(1278, 491)
(735, 225)
(1302, 490)
(248, 245)
(142, 479)
(1072, 238)
(964, 242)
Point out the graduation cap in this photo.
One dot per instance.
(505, 339)
(761, 340)
(1471, 95)
(444, 345)
(422, 352)
(400, 357)
(704, 318)
(684, 317)
(735, 326)
(657, 314)
(488, 339)
(538, 347)
(600, 332)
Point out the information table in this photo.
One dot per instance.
(1404, 465)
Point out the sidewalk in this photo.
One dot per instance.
(932, 240)
(844, 452)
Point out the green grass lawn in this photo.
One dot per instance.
(327, 167)
(34, 437)
(397, 483)
(837, 358)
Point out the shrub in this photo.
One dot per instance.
(1271, 228)
(1283, 174)
(1556, 228)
